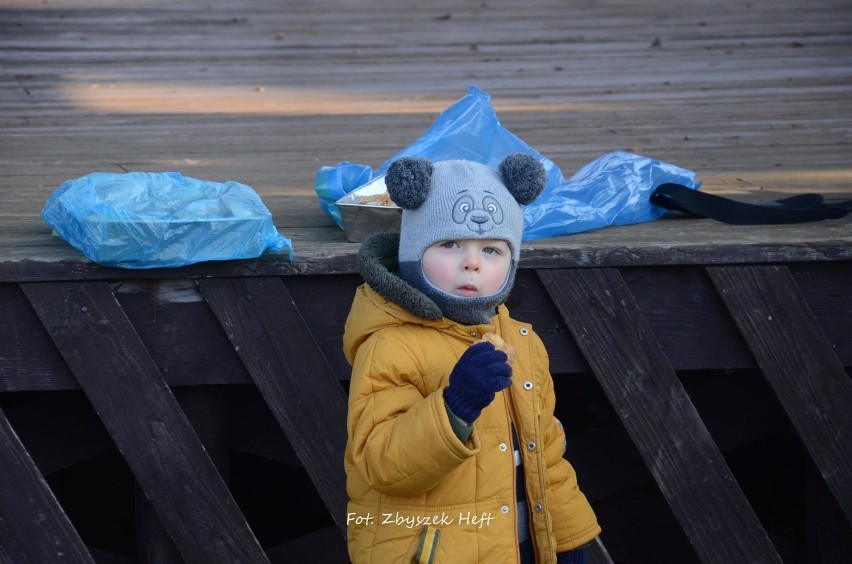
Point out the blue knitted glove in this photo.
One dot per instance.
(480, 373)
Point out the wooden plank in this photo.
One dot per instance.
(205, 408)
(691, 323)
(754, 99)
(736, 409)
(826, 289)
(28, 509)
(798, 362)
(182, 335)
(658, 414)
(289, 369)
(30, 361)
(597, 553)
(10, 548)
(153, 543)
(829, 533)
(190, 347)
(325, 251)
(142, 416)
(687, 317)
(324, 302)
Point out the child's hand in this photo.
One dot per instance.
(479, 374)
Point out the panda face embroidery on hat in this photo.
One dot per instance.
(480, 217)
(459, 199)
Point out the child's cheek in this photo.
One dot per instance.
(495, 280)
(440, 276)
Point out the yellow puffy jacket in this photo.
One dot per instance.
(417, 493)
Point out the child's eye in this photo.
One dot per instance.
(491, 250)
(448, 244)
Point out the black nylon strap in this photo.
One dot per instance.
(796, 209)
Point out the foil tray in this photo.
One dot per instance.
(360, 220)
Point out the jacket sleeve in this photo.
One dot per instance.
(574, 521)
(401, 440)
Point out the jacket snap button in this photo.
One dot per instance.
(531, 445)
(538, 507)
(524, 331)
(503, 447)
(504, 509)
(528, 385)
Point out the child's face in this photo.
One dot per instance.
(468, 267)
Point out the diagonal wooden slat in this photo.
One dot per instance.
(597, 552)
(145, 421)
(799, 363)
(293, 376)
(29, 510)
(688, 467)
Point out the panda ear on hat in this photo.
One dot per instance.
(408, 181)
(524, 176)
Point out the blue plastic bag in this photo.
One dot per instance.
(153, 220)
(612, 190)
(334, 182)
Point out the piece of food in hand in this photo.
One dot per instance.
(499, 344)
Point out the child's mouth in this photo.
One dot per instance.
(468, 290)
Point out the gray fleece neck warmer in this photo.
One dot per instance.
(378, 264)
(467, 311)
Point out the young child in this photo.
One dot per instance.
(454, 455)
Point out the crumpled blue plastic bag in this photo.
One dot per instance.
(153, 220)
(334, 182)
(612, 190)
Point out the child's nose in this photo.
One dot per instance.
(471, 261)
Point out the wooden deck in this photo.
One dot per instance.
(197, 414)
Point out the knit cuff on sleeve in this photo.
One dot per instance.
(577, 556)
(460, 428)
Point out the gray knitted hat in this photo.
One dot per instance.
(460, 199)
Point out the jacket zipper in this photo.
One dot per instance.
(514, 509)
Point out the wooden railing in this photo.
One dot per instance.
(132, 348)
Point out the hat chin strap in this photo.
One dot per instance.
(467, 311)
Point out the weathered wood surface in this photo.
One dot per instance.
(681, 305)
(656, 411)
(289, 369)
(756, 98)
(799, 363)
(678, 308)
(143, 418)
(31, 510)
